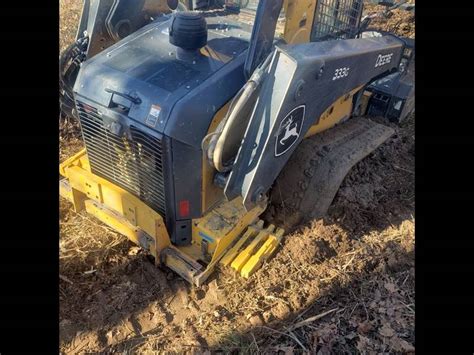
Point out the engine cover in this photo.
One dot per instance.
(144, 113)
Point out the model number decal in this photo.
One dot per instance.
(341, 73)
(383, 59)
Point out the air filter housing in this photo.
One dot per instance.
(188, 30)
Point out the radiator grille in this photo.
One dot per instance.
(134, 163)
(336, 19)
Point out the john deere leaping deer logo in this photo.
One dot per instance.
(289, 130)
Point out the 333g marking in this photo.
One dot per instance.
(341, 73)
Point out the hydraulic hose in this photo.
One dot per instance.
(215, 149)
(69, 64)
(247, 92)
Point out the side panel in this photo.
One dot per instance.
(299, 20)
(187, 180)
(338, 112)
(312, 77)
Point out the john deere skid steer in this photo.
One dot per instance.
(191, 114)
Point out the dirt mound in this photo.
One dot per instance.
(399, 21)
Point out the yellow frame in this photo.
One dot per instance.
(131, 217)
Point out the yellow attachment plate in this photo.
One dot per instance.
(232, 253)
(263, 243)
(245, 255)
(340, 110)
(265, 252)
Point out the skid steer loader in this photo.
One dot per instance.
(191, 119)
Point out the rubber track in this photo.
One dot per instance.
(307, 185)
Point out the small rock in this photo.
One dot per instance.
(133, 251)
(364, 327)
(267, 316)
(199, 294)
(256, 320)
(281, 310)
(213, 288)
(391, 287)
(386, 331)
(351, 335)
(168, 318)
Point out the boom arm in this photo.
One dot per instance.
(301, 82)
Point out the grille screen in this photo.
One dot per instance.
(135, 163)
(336, 19)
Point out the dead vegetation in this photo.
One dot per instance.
(340, 285)
(398, 21)
(69, 131)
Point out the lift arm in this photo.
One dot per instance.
(302, 81)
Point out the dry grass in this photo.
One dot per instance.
(69, 16)
(83, 241)
(399, 21)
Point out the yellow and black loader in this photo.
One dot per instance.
(195, 122)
